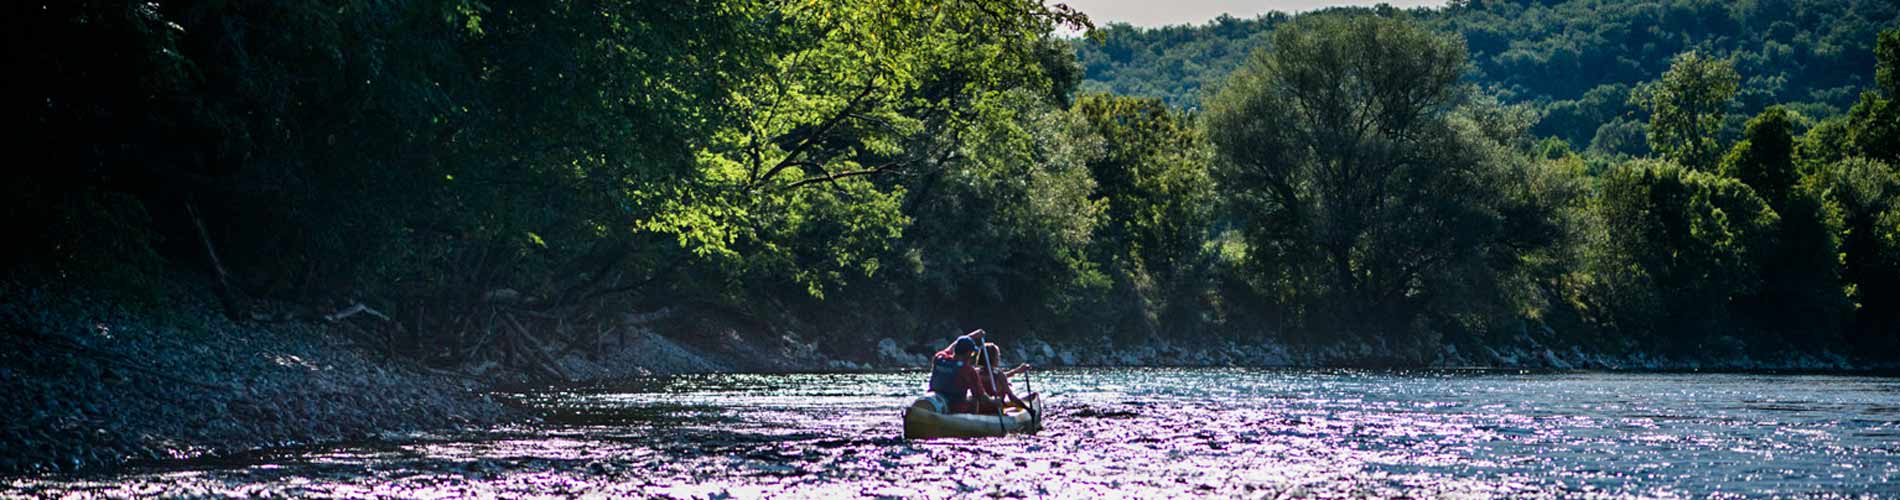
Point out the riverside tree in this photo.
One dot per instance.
(1801, 300)
(1679, 248)
(1370, 201)
(1686, 108)
(1153, 176)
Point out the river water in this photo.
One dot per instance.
(1121, 433)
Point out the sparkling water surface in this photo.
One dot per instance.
(1120, 433)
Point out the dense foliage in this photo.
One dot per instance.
(1670, 220)
(1576, 60)
(433, 158)
(859, 169)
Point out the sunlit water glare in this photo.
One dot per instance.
(1140, 433)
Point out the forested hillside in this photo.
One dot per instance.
(1575, 60)
(512, 182)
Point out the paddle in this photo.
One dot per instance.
(1027, 386)
(984, 351)
(1027, 381)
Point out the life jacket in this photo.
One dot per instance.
(943, 379)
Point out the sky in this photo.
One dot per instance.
(1149, 13)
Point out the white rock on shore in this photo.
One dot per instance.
(889, 352)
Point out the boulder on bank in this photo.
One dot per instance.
(890, 354)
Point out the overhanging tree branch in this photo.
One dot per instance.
(833, 177)
(824, 130)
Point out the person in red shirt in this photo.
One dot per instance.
(953, 375)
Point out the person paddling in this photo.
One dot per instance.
(953, 375)
(1001, 391)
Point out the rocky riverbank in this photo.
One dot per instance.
(90, 384)
(1523, 352)
(653, 353)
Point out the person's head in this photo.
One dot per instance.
(964, 348)
(995, 353)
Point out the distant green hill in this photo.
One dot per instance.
(1574, 59)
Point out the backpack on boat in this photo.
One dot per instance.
(943, 380)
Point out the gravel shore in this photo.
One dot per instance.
(89, 384)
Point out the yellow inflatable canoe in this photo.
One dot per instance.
(926, 418)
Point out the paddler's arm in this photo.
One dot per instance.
(980, 397)
(974, 335)
(990, 393)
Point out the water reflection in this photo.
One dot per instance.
(1124, 434)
